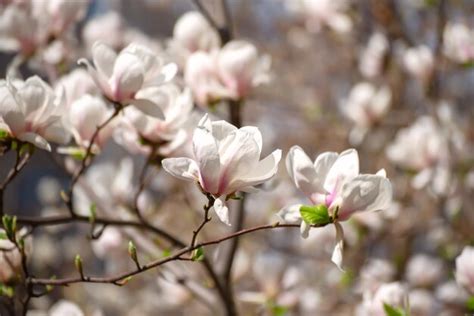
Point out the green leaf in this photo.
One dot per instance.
(392, 311)
(166, 253)
(92, 212)
(198, 254)
(278, 310)
(315, 215)
(3, 236)
(4, 134)
(470, 304)
(6, 290)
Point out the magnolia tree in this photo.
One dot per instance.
(312, 161)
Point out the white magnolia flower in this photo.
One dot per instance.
(419, 62)
(85, 115)
(192, 33)
(227, 160)
(459, 42)
(319, 13)
(393, 294)
(76, 84)
(333, 180)
(423, 270)
(10, 260)
(30, 111)
(372, 57)
(465, 269)
(109, 28)
(65, 308)
(124, 77)
(63, 13)
(365, 106)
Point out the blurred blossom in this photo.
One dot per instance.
(48, 190)
(172, 293)
(192, 33)
(10, 259)
(372, 58)
(424, 147)
(32, 112)
(320, 13)
(333, 180)
(229, 73)
(419, 62)
(393, 294)
(465, 269)
(375, 273)
(167, 134)
(64, 13)
(110, 244)
(424, 271)
(65, 308)
(227, 161)
(365, 106)
(459, 42)
(451, 293)
(108, 29)
(125, 77)
(75, 84)
(422, 303)
(84, 115)
(268, 269)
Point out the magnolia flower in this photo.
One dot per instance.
(76, 84)
(108, 29)
(423, 147)
(31, 112)
(10, 260)
(192, 33)
(424, 271)
(458, 42)
(419, 62)
(372, 57)
(393, 294)
(123, 78)
(227, 160)
(85, 115)
(63, 13)
(465, 269)
(63, 308)
(333, 180)
(319, 13)
(365, 106)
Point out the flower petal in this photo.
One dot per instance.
(222, 211)
(104, 58)
(221, 129)
(35, 139)
(345, 168)
(301, 170)
(148, 107)
(290, 213)
(182, 168)
(337, 254)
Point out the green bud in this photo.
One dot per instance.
(78, 264)
(198, 254)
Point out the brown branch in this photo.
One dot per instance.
(206, 218)
(120, 278)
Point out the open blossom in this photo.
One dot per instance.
(320, 13)
(227, 160)
(365, 106)
(30, 111)
(231, 72)
(394, 294)
(124, 77)
(333, 180)
(419, 62)
(458, 42)
(465, 269)
(372, 57)
(84, 115)
(192, 33)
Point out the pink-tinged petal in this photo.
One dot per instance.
(337, 254)
(104, 58)
(206, 153)
(127, 77)
(344, 169)
(35, 139)
(148, 107)
(99, 78)
(290, 214)
(366, 192)
(182, 168)
(301, 170)
(222, 211)
(263, 171)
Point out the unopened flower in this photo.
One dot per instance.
(192, 33)
(124, 77)
(365, 106)
(31, 112)
(85, 115)
(333, 181)
(465, 269)
(419, 62)
(458, 40)
(227, 160)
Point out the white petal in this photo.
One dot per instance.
(182, 168)
(366, 192)
(99, 78)
(222, 211)
(257, 136)
(290, 213)
(104, 58)
(128, 76)
(345, 168)
(322, 165)
(148, 107)
(301, 170)
(35, 139)
(10, 111)
(207, 155)
(304, 229)
(422, 178)
(221, 129)
(337, 254)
